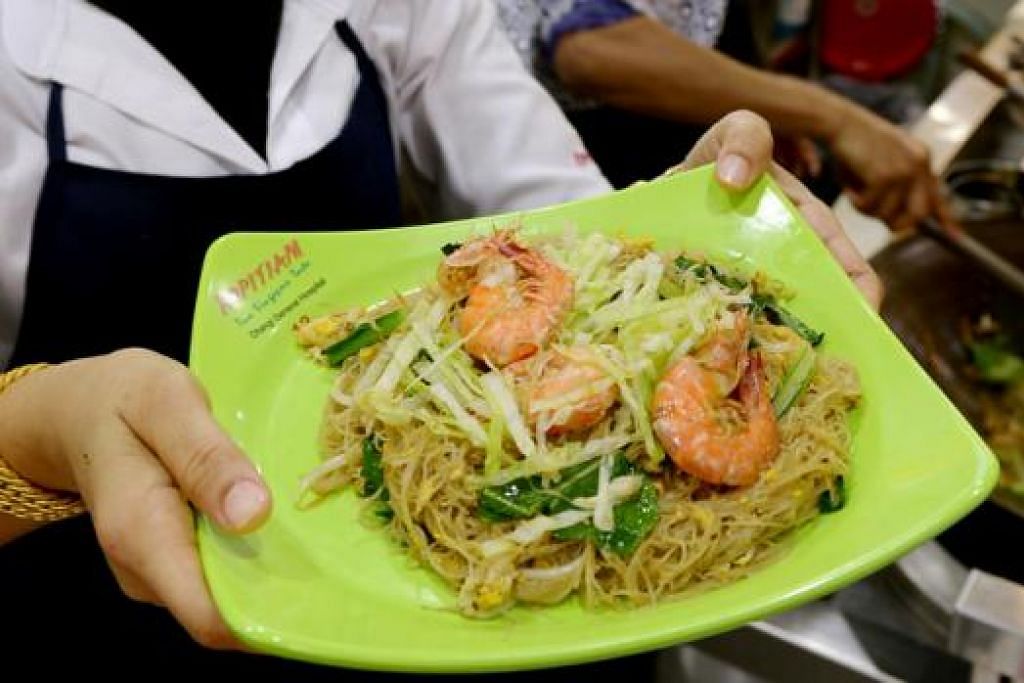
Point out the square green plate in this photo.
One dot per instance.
(317, 585)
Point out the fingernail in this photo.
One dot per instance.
(244, 503)
(734, 170)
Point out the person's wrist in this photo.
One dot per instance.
(831, 114)
(29, 442)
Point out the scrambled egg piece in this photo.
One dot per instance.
(490, 595)
(320, 331)
(703, 517)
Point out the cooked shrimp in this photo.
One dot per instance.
(725, 354)
(688, 397)
(571, 393)
(517, 297)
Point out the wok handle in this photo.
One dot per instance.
(998, 78)
(991, 262)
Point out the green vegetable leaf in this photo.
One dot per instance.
(635, 519)
(365, 334)
(527, 497)
(833, 500)
(997, 364)
(372, 470)
(584, 531)
(383, 512)
(519, 499)
(580, 481)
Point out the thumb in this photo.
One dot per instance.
(740, 144)
(172, 418)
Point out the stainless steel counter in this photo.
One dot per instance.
(925, 619)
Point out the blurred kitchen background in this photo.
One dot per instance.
(953, 610)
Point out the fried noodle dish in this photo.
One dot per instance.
(582, 414)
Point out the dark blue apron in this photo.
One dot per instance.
(116, 256)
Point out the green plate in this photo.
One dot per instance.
(317, 585)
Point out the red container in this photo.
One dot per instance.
(873, 40)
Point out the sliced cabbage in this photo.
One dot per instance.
(467, 422)
(555, 459)
(504, 403)
(619, 489)
(424, 322)
(603, 518)
(533, 530)
(549, 585)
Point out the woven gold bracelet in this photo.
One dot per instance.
(19, 497)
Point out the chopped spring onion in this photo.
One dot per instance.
(833, 500)
(707, 271)
(780, 316)
(796, 380)
(776, 313)
(372, 470)
(784, 317)
(365, 334)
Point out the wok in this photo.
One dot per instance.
(931, 292)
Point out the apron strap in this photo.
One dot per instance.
(348, 37)
(56, 144)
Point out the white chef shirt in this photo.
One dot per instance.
(466, 118)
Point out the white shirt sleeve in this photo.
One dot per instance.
(474, 122)
(22, 167)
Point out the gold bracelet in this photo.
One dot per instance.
(19, 497)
